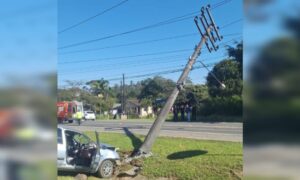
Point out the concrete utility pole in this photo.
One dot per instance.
(123, 96)
(208, 34)
(121, 88)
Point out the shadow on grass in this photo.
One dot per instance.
(136, 142)
(185, 154)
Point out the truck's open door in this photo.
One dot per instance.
(97, 157)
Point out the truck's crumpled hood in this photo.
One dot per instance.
(109, 152)
(108, 146)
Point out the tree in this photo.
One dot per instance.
(75, 89)
(156, 88)
(228, 72)
(272, 109)
(192, 94)
(98, 87)
(65, 95)
(236, 53)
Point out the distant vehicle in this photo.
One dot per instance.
(6, 124)
(78, 153)
(66, 110)
(89, 115)
(20, 125)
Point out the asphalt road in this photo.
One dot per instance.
(194, 130)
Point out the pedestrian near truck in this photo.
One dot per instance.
(188, 110)
(182, 110)
(175, 113)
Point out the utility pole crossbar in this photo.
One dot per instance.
(209, 29)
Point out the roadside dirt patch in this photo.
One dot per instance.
(140, 177)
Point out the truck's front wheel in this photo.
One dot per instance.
(106, 169)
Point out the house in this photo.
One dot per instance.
(117, 108)
(134, 107)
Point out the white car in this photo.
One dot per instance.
(89, 115)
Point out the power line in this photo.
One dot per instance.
(212, 60)
(231, 23)
(141, 42)
(139, 64)
(159, 73)
(170, 61)
(173, 37)
(134, 43)
(162, 23)
(112, 65)
(131, 62)
(169, 21)
(132, 56)
(220, 4)
(138, 55)
(92, 17)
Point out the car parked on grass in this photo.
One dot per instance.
(89, 115)
(76, 152)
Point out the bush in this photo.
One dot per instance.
(229, 106)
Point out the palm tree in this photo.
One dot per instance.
(99, 87)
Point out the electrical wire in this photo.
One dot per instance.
(162, 23)
(138, 55)
(157, 73)
(140, 42)
(92, 17)
(161, 62)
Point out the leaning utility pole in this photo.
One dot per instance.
(210, 29)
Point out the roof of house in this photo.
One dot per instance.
(134, 102)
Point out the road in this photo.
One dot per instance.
(194, 130)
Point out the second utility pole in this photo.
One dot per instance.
(123, 96)
(145, 148)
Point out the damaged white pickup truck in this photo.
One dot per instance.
(76, 152)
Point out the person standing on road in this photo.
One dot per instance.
(78, 116)
(188, 112)
(182, 112)
(115, 113)
(175, 113)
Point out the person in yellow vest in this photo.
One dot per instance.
(78, 116)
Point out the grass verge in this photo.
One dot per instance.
(180, 158)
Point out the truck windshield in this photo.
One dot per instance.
(82, 139)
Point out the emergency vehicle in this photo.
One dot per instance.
(67, 111)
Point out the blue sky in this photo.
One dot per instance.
(28, 39)
(131, 15)
(258, 34)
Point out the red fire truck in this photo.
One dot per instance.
(67, 109)
(6, 124)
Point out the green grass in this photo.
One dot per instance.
(110, 118)
(211, 118)
(180, 158)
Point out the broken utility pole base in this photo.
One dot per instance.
(209, 32)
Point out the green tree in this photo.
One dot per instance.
(98, 87)
(236, 53)
(156, 88)
(228, 72)
(273, 100)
